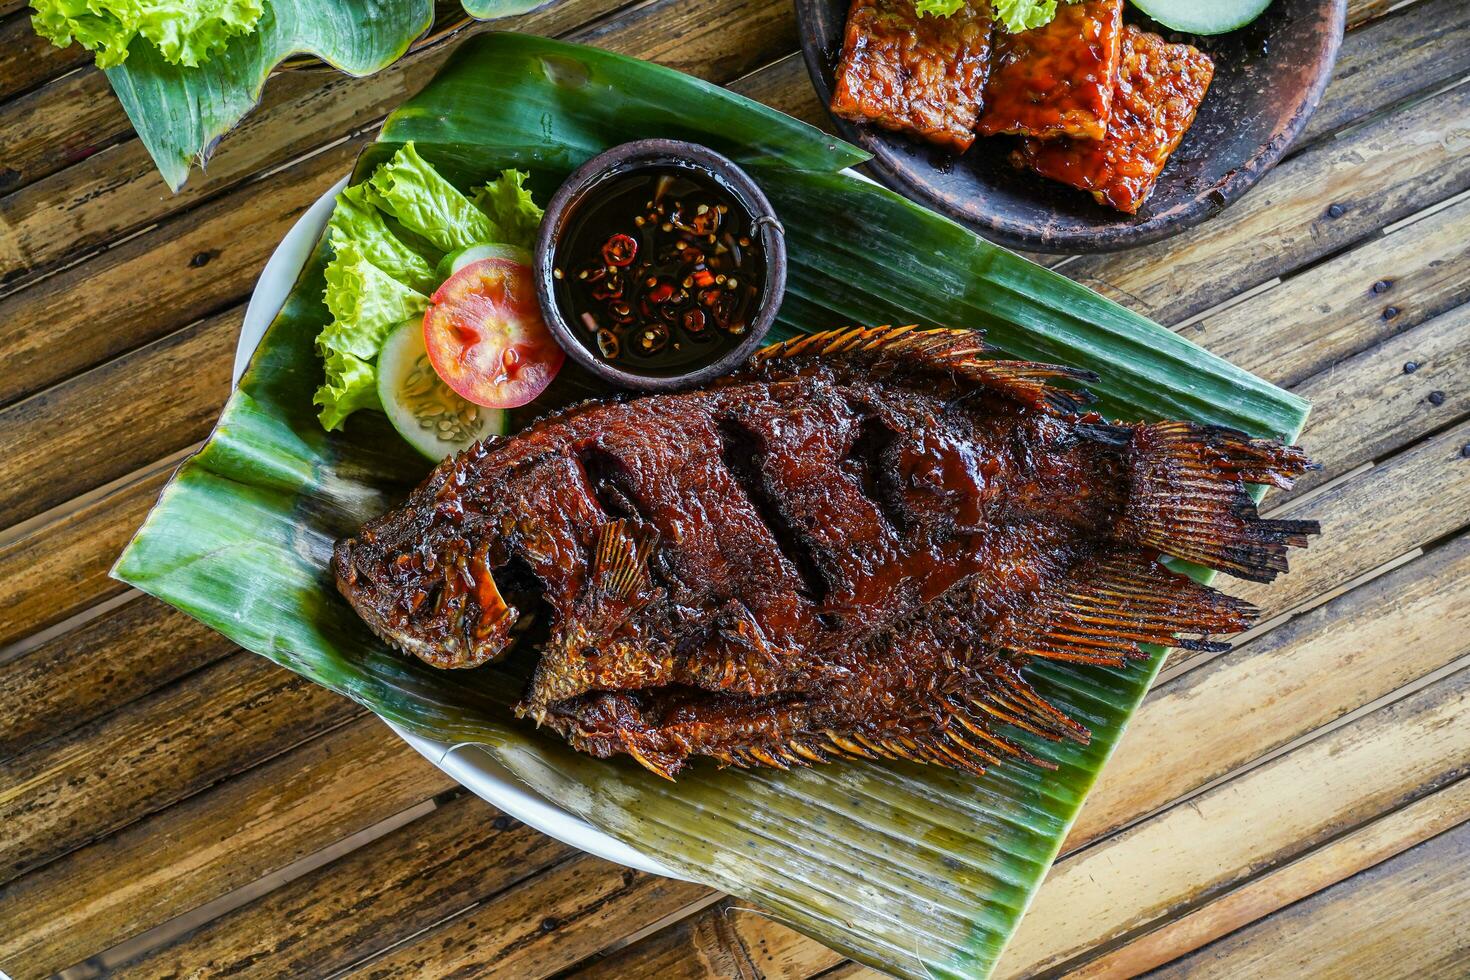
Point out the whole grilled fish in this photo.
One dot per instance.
(850, 548)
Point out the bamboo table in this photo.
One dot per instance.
(170, 804)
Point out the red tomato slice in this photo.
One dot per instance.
(486, 338)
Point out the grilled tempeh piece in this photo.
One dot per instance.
(851, 548)
(1159, 90)
(1057, 79)
(921, 75)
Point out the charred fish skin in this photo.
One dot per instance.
(850, 549)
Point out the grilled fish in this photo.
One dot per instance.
(852, 547)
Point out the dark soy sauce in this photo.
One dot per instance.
(659, 271)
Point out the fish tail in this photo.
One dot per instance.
(1189, 498)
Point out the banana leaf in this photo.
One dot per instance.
(914, 870)
(180, 113)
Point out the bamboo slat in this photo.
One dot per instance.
(106, 662)
(61, 445)
(461, 854)
(1349, 303)
(218, 840)
(101, 777)
(60, 569)
(1188, 854)
(1402, 918)
(1263, 896)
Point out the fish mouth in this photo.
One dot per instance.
(445, 648)
(350, 581)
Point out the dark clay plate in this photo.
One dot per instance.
(1269, 77)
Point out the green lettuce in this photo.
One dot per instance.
(352, 383)
(938, 8)
(384, 234)
(507, 202)
(1023, 15)
(1016, 15)
(366, 303)
(356, 220)
(185, 32)
(416, 194)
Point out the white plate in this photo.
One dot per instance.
(470, 765)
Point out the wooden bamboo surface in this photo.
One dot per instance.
(172, 805)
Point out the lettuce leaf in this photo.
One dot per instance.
(938, 8)
(380, 274)
(1023, 15)
(103, 32)
(366, 303)
(412, 191)
(507, 202)
(355, 219)
(352, 383)
(185, 32)
(1016, 15)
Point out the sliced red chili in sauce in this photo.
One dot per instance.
(660, 270)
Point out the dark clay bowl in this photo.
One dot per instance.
(629, 158)
(1269, 77)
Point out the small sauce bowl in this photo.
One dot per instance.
(660, 265)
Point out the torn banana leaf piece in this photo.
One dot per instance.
(916, 870)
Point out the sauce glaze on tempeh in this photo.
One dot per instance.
(920, 75)
(1160, 87)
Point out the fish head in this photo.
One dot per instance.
(421, 577)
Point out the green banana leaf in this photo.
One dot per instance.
(180, 113)
(915, 870)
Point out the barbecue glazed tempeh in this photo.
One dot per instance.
(851, 548)
(1160, 87)
(1057, 79)
(921, 75)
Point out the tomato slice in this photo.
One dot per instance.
(485, 336)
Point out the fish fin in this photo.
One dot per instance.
(1110, 603)
(962, 741)
(1189, 498)
(1002, 694)
(965, 735)
(737, 657)
(619, 582)
(659, 762)
(956, 354)
(620, 561)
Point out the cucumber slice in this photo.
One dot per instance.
(1203, 16)
(460, 258)
(434, 420)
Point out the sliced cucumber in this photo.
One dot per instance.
(460, 258)
(434, 420)
(1203, 16)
